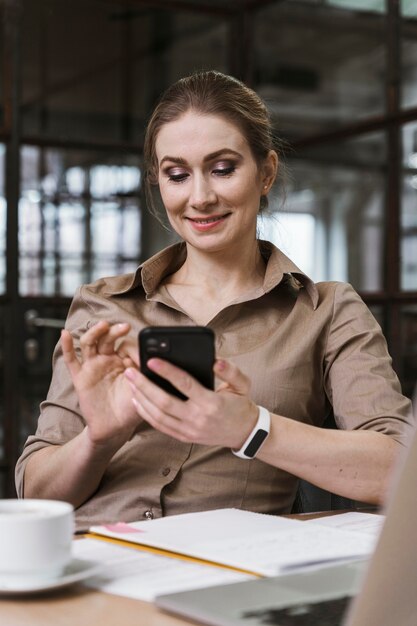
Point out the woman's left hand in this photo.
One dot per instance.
(223, 417)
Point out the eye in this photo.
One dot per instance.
(177, 178)
(176, 175)
(224, 169)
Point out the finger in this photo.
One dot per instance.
(164, 401)
(164, 411)
(127, 362)
(88, 341)
(128, 350)
(182, 380)
(69, 355)
(232, 377)
(166, 424)
(106, 343)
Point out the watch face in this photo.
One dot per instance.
(256, 442)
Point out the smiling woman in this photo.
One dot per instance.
(211, 192)
(289, 351)
(217, 178)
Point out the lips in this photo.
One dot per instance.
(207, 220)
(210, 220)
(207, 224)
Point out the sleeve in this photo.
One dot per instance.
(359, 379)
(60, 419)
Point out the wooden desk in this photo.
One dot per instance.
(80, 606)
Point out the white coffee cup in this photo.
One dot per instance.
(35, 539)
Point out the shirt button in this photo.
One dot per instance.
(166, 471)
(148, 514)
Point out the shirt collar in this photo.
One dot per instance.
(281, 269)
(150, 274)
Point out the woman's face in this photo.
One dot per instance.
(209, 181)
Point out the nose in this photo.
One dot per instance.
(202, 193)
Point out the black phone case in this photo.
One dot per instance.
(191, 348)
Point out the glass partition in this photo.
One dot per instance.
(196, 38)
(332, 221)
(70, 87)
(408, 218)
(408, 8)
(79, 219)
(408, 53)
(93, 70)
(409, 349)
(360, 5)
(319, 67)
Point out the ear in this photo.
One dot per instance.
(269, 171)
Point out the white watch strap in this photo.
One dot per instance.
(257, 437)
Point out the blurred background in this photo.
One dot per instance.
(78, 81)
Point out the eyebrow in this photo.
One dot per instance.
(208, 157)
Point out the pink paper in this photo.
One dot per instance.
(122, 528)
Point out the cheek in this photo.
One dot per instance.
(171, 198)
(245, 195)
(172, 222)
(235, 191)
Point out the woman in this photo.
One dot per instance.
(289, 351)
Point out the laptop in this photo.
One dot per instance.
(379, 592)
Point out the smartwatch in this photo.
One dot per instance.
(257, 437)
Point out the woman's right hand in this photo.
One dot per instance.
(104, 394)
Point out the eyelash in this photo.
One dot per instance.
(177, 178)
(223, 172)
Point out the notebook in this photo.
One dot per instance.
(380, 592)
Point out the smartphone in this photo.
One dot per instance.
(189, 347)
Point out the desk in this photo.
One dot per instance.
(80, 606)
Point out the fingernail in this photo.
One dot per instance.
(154, 364)
(130, 373)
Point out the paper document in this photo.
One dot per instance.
(143, 576)
(266, 545)
(354, 520)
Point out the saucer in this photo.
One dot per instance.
(76, 571)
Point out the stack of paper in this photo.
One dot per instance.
(145, 559)
(254, 543)
(142, 575)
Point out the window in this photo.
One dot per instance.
(79, 219)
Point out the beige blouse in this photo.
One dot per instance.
(308, 349)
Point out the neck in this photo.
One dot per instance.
(223, 271)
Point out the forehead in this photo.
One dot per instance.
(195, 133)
